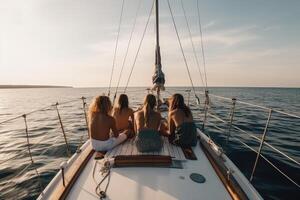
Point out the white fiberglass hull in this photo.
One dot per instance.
(156, 183)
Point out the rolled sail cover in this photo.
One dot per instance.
(158, 79)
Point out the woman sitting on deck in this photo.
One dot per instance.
(122, 113)
(101, 124)
(147, 124)
(183, 131)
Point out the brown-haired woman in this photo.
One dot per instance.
(147, 125)
(101, 124)
(123, 114)
(183, 131)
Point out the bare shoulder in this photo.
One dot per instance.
(173, 112)
(139, 113)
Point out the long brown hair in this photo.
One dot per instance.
(122, 102)
(149, 104)
(178, 103)
(100, 104)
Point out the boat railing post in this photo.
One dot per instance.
(27, 138)
(206, 104)
(63, 130)
(85, 115)
(261, 144)
(62, 168)
(188, 99)
(231, 115)
(30, 153)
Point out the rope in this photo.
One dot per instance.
(193, 46)
(18, 152)
(63, 130)
(38, 110)
(202, 47)
(181, 48)
(104, 170)
(137, 53)
(116, 47)
(19, 116)
(128, 45)
(14, 183)
(252, 135)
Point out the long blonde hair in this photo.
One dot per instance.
(100, 104)
(149, 104)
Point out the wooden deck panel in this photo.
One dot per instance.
(129, 148)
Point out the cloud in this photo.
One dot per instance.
(271, 28)
(261, 55)
(210, 24)
(230, 37)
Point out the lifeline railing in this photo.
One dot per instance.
(30, 146)
(55, 107)
(208, 112)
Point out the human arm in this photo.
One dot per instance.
(134, 125)
(171, 123)
(114, 127)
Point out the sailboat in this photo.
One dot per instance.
(201, 172)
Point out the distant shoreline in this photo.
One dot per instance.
(31, 86)
(210, 87)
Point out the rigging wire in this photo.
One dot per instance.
(137, 53)
(181, 48)
(128, 45)
(192, 42)
(202, 46)
(116, 47)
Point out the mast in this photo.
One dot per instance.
(157, 29)
(158, 79)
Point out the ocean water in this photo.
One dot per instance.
(18, 177)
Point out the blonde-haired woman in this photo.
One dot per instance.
(147, 126)
(101, 124)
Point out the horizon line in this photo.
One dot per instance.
(15, 86)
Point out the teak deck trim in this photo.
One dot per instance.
(72, 173)
(234, 190)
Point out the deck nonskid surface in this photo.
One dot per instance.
(152, 183)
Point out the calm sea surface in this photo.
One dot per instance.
(19, 180)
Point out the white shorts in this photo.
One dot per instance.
(107, 145)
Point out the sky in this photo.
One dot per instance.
(71, 42)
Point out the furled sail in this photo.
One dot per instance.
(158, 79)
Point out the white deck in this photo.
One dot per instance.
(153, 183)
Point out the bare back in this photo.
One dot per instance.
(177, 117)
(101, 126)
(122, 117)
(154, 121)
